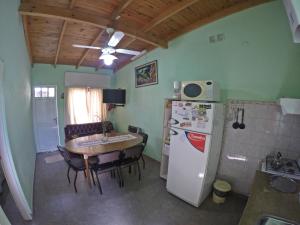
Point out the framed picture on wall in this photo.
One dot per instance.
(146, 74)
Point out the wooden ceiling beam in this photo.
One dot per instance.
(218, 15)
(70, 15)
(27, 39)
(120, 9)
(171, 11)
(62, 32)
(86, 51)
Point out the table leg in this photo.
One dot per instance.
(87, 171)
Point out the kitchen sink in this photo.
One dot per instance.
(273, 220)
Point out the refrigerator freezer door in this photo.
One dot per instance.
(187, 164)
(193, 116)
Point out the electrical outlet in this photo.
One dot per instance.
(212, 39)
(220, 37)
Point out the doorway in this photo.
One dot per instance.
(45, 117)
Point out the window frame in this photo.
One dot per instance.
(41, 92)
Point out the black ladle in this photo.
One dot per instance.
(236, 124)
(242, 124)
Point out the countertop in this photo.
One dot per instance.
(264, 200)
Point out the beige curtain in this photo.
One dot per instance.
(84, 105)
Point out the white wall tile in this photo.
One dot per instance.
(267, 130)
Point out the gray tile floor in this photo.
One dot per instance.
(138, 203)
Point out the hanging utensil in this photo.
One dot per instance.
(236, 124)
(242, 125)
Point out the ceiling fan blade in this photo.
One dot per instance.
(138, 56)
(86, 46)
(115, 39)
(128, 52)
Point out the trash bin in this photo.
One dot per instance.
(221, 189)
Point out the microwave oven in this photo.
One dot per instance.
(202, 90)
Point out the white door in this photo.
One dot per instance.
(193, 116)
(45, 118)
(187, 164)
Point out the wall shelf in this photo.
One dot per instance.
(166, 139)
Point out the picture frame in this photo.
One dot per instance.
(146, 74)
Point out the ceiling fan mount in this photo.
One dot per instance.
(107, 52)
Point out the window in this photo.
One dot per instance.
(44, 92)
(84, 105)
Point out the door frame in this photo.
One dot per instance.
(34, 115)
(7, 162)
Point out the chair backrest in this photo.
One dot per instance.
(137, 151)
(145, 138)
(64, 153)
(134, 129)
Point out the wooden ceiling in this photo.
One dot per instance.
(52, 26)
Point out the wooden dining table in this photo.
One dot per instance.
(97, 144)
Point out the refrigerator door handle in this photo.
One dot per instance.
(173, 132)
(173, 121)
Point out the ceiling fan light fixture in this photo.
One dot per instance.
(108, 59)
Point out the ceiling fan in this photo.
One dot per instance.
(109, 51)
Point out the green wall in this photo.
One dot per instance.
(3, 218)
(17, 88)
(43, 74)
(256, 61)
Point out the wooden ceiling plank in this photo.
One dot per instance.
(94, 20)
(86, 52)
(168, 13)
(218, 15)
(27, 39)
(62, 32)
(120, 9)
(60, 41)
(72, 4)
(127, 43)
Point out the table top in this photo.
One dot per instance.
(75, 147)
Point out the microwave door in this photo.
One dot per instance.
(192, 90)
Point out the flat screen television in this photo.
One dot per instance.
(114, 96)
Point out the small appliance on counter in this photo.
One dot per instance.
(202, 90)
(275, 164)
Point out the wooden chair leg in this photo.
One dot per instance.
(99, 185)
(68, 174)
(76, 172)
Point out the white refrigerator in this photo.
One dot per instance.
(195, 144)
